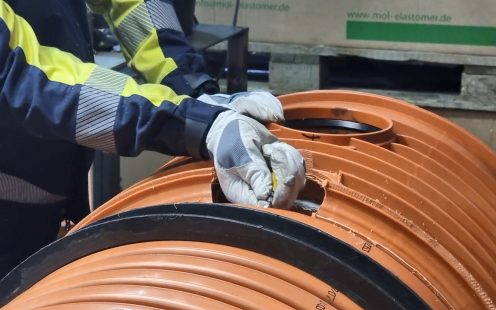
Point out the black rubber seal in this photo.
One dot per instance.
(355, 275)
(332, 124)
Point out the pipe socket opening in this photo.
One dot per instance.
(308, 201)
(335, 121)
(330, 126)
(334, 125)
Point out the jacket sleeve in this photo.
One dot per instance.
(154, 44)
(54, 95)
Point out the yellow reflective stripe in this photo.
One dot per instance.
(150, 61)
(57, 65)
(122, 8)
(134, 29)
(155, 93)
(62, 67)
(65, 68)
(148, 58)
(116, 10)
(107, 80)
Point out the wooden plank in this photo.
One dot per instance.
(395, 55)
(439, 100)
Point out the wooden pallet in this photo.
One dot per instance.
(298, 68)
(478, 83)
(478, 89)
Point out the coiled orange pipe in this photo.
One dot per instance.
(404, 214)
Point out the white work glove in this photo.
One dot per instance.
(260, 105)
(242, 150)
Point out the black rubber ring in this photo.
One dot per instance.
(333, 124)
(355, 275)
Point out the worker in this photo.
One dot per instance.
(56, 107)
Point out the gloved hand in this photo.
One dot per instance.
(244, 153)
(260, 105)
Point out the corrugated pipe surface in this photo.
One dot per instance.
(398, 212)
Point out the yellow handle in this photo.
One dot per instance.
(274, 181)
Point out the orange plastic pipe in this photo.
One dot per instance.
(417, 196)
